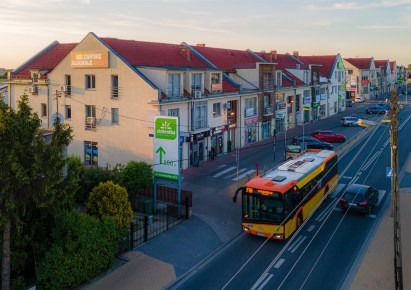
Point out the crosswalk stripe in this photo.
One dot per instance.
(225, 171)
(232, 175)
(244, 174)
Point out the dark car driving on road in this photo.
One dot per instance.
(375, 110)
(359, 197)
(311, 142)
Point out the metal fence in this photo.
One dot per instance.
(146, 226)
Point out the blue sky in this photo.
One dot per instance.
(366, 28)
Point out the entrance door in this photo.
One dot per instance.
(201, 150)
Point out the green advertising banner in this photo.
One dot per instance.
(166, 155)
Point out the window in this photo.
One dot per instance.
(90, 117)
(196, 82)
(90, 153)
(114, 115)
(199, 115)
(267, 82)
(339, 76)
(90, 82)
(173, 112)
(68, 111)
(173, 89)
(306, 93)
(43, 110)
(250, 106)
(278, 76)
(215, 78)
(67, 81)
(350, 71)
(114, 87)
(217, 109)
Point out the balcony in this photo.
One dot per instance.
(268, 86)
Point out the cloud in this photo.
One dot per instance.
(360, 5)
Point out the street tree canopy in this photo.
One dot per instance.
(31, 171)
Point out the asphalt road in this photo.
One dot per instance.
(322, 253)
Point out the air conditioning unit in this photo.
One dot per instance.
(197, 94)
(64, 89)
(33, 90)
(91, 121)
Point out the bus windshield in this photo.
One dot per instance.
(260, 208)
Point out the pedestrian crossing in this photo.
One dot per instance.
(233, 174)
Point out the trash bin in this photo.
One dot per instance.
(148, 206)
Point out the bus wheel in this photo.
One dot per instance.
(326, 192)
(299, 220)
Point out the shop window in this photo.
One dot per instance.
(90, 153)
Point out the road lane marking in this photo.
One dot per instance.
(244, 174)
(347, 177)
(310, 228)
(265, 282)
(370, 161)
(298, 245)
(225, 171)
(231, 175)
(279, 263)
(294, 243)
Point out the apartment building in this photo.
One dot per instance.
(383, 71)
(361, 77)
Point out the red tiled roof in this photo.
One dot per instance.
(360, 63)
(47, 60)
(228, 59)
(228, 87)
(287, 83)
(380, 63)
(143, 53)
(326, 62)
(282, 60)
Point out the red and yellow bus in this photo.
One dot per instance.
(275, 204)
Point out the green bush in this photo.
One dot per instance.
(109, 199)
(83, 247)
(136, 177)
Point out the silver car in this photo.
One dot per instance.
(349, 121)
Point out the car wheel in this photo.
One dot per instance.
(350, 125)
(342, 140)
(299, 221)
(321, 139)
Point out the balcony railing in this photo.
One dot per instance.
(268, 86)
(115, 92)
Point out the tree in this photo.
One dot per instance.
(136, 177)
(31, 171)
(109, 199)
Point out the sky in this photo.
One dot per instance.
(364, 28)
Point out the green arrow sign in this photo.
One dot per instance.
(161, 151)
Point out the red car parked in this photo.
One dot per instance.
(328, 136)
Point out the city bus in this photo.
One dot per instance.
(275, 204)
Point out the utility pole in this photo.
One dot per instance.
(395, 191)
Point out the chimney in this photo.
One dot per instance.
(295, 53)
(184, 51)
(274, 54)
(201, 44)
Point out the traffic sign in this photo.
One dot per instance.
(166, 147)
(388, 172)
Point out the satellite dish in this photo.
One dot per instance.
(53, 117)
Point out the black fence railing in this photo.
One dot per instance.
(146, 226)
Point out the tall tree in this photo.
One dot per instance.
(31, 169)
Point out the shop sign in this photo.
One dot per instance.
(339, 97)
(317, 99)
(280, 115)
(249, 112)
(250, 120)
(353, 81)
(281, 106)
(339, 64)
(307, 100)
(315, 105)
(365, 81)
(217, 87)
(166, 145)
(90, 59)
(220, 129)
(232, 126)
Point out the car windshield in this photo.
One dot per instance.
(353, 196)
